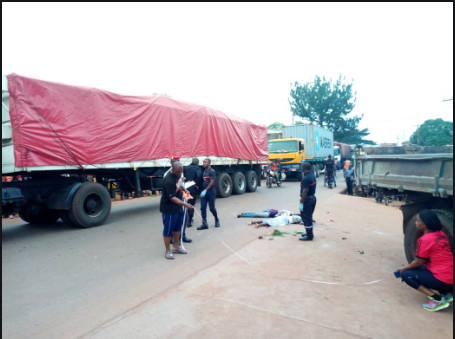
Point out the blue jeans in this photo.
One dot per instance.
(262, 214)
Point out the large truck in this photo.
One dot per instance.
(341, 153)
(421, 176)
(69, 148)
(302, 143)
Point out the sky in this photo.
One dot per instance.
(244, 58)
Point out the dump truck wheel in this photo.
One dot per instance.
(251, 181)
(223, 185)
(91, 205)
(238, 183)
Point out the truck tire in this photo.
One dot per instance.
(238, 183)
(39, 214)
(223, 185)
(91, 205)
(411, 234)
(251, 181)
(65, 216)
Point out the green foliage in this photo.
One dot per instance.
(276, 126)
(328, 104)
(433, 132)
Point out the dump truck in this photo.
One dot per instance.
(302, 143)
(67, 149)
(422, 177)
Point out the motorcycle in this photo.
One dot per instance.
(271, 178)
(329, 180)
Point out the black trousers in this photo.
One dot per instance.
(349, 185)
(307, 214)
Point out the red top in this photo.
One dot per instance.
(435, 247)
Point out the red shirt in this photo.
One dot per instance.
(435, 247)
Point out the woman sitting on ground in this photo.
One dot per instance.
(432, 269)
(277, 221)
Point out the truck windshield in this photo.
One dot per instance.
(336, 150)
(286, 146)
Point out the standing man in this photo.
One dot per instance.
(192, 173)
(208, 194)
(329, 168)
(307, 200)
(174, 159)
(349, 176)
(171, 208)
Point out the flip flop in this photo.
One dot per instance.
(179, 250)
(169, 255)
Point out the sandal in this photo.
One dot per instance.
(169, 255)
(180, 250)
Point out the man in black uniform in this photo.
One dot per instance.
(329, 169)
(307, 200)
(192, 173)
(208, 194)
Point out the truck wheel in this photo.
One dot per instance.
(65, 216)
(411, 234)
(223, 185)
(269, 182)
(251, 181)
(36, 213)
(91, 205)
(238, 183)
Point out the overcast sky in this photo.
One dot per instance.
(241, 58)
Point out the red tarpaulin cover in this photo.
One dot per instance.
(55, 124)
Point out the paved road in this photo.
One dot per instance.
(112, 281)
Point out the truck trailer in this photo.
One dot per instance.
(421, 176)
(69, 148)
(302, 143)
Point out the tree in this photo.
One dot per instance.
(328, 104)
(433, 132)
(276, 126)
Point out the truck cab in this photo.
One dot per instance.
(291, 151)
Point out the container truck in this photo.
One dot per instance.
(422, 176)
(302, 143)
(342, 152)
(69, 148)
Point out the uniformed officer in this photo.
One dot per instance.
(193, 173)
(329, 169)
(208, 194)
(307, 200)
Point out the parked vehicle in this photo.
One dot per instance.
(302, 143)
(74, 147)
(421, 176)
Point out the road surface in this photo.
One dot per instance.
(112, 281)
